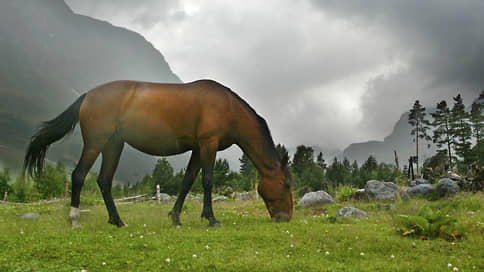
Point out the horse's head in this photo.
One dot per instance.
(277, 193)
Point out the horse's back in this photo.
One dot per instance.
(158, 118)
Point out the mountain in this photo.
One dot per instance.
(399, 140)
(49, 56)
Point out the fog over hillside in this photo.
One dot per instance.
(50, 56)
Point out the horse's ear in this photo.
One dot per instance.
(284, 161)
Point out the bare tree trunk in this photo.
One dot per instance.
(66, 189)
(416, 139)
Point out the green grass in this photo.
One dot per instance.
(248, 241)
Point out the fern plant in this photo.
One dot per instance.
(428, 224)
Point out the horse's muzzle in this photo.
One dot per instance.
(281, 217)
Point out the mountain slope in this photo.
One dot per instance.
(49, 56)
(399, 140)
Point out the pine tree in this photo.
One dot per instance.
(282, 151)
(320, 161)
(442, 132)
(303, 158)
(355, 173)
(419, 125)
(247, 168)
(461, 129)
(477, 123)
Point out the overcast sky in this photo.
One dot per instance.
(325, 73)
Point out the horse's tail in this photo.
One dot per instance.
(49, 132)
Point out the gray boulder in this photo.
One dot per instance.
(379, 190)
(219, 198)
(421, 190)
(417, 182)
(242, 196)
(194, 198)
(165, 197)
(30, 216)
(447, 187)
(315, 199)
(352, 213)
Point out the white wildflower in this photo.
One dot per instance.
(167, 260)
(393, 256)
(104, 263)
(362, 254)
(455, 269)
(327, 253)
(207, 247)
(449, 265)
(194, 255)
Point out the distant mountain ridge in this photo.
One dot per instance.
(49, 56)
(399, 140)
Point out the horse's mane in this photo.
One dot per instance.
(268, 142)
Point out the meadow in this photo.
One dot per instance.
(312, 241)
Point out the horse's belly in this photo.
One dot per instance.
(159, 142)
(165, 146)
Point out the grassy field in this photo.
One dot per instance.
(248, 241)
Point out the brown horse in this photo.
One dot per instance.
(166, 119)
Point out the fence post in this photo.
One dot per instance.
(5, 196)
(158, 195)
(256, 193)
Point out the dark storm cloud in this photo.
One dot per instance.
(443, 42)
(320, 72)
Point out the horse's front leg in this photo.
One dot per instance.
(190, 175)
(207, 154)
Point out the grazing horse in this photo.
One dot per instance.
(165, 119)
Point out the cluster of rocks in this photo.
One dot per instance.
(376, 190)
(384, 191)
(236, 196)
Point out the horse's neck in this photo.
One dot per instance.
(261, 155)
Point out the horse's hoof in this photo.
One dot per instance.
(175, 218)
(215, 223)
(118, 223)
(75, 225)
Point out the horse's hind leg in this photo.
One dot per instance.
(190, 175)
(110, 159)
(88, 157)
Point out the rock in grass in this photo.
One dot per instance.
(190, 198)
(219, 198)
(352, 213)
(379, 190)
(418, 182)
(165, 197)
(313, 199)
(30, 216)
(421, 190)
(241, 196)
(447, 187)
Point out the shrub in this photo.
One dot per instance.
(429, 224)
(344, 193)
